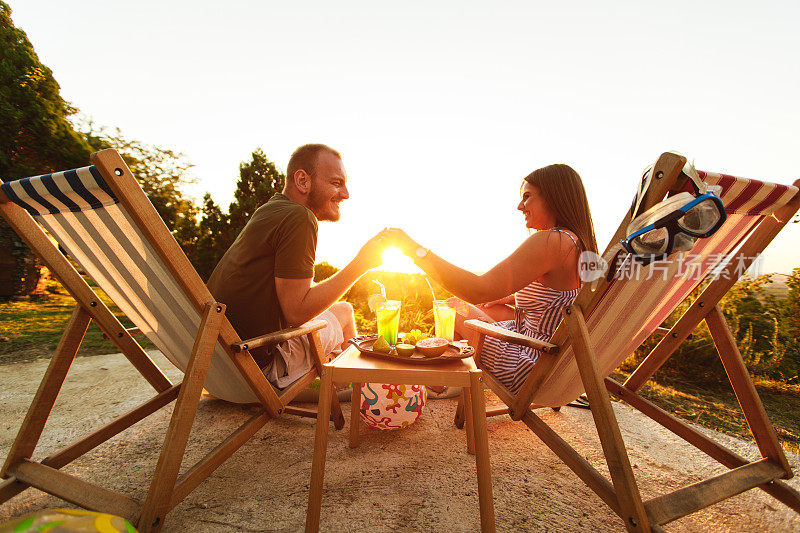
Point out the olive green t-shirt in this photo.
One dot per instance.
(280, 240)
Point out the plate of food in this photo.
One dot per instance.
(424, 352)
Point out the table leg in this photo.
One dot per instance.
(467, 395)
(483, 467)
(458, 419)
(355, 414)
(320, 450)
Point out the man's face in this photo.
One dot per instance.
(328, 187)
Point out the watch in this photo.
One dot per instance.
(421, 252)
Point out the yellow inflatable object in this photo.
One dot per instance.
(67, 520)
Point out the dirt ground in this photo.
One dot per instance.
(418, 478)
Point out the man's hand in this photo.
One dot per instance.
(371, 254)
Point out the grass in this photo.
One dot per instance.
(715, 406)
(31, 327)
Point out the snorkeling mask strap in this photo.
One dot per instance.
(699, 186)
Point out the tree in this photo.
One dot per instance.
(35, 137)
(323, 271)
(35, 133)
(212, 240)
(259, 179)
(161, 172)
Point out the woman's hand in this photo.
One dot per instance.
(400, 239)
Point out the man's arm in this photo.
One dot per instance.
(301, 300)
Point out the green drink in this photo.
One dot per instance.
(389, 320)
(444, 318)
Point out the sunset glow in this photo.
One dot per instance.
(395, 261)
(440, 109)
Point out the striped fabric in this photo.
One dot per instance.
(640, 298)
(78, 209)
(537, 313)
(71, 190)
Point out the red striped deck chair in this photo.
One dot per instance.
(613, 317)
(102, 218)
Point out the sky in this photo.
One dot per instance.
(440, 108)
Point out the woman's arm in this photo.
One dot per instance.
(534, 258)
(507, 300)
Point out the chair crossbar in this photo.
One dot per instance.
(575, 461)
(69, 453)
(187, 481)
(777, 489)
(749, 400)
(75, 490)
(687, 500)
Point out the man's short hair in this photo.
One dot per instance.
(305, 158)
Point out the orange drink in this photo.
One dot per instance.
(444, 318)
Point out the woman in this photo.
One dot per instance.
(526, 291)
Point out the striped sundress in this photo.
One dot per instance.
(537, 313)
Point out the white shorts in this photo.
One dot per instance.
(294, 358)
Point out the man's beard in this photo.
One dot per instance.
(316, 203)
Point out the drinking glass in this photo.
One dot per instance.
(389, 320)
(444, 318)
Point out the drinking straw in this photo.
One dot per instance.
(433, 296)
(383, 289)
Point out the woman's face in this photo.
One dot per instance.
(532, 205)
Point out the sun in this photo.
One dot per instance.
(395, 261)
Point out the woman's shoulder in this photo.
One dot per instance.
(555, 240)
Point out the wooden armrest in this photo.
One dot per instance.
(279, 336)
(511, 336)
(663, 331)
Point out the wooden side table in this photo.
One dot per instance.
(350, 366)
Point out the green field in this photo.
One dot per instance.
(31, 327)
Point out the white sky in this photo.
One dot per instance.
(441, 108)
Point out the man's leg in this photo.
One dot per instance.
(343, 312)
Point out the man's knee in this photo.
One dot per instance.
(343, 311)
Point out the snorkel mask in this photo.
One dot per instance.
(675, 224)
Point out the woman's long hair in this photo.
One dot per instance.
(562, 190)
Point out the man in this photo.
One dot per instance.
(265, 278)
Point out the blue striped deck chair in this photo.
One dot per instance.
(612, 317)
(103, 220)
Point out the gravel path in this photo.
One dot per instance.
(419, 478)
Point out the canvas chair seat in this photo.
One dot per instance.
(79, 210)
(612, 317)
(103, 220)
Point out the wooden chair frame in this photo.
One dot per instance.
(622, 493)
(167, 487)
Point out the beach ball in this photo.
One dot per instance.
(68, 520)
(388, 407)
